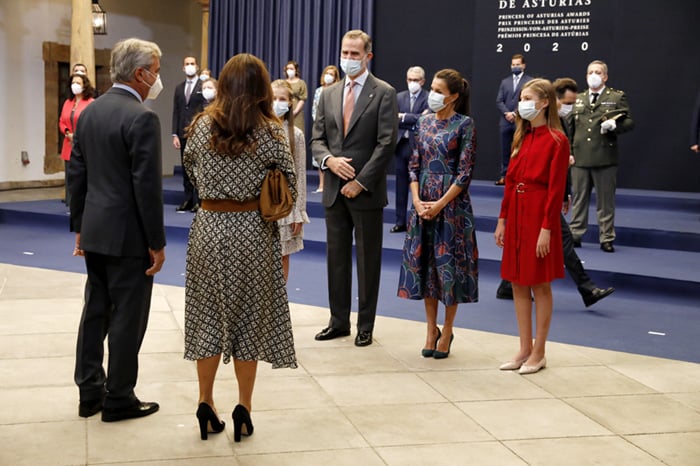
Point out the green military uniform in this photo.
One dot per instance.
(596, 157)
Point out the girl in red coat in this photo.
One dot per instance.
(81, 94)
(528, 226)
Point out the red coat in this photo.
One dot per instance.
(65, 122)
(534, 190)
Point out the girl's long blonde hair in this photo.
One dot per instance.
(544, 91)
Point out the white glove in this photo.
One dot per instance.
(607, 125)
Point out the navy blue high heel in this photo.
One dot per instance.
(428, 353)
(442, 355)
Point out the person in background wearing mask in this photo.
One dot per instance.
(292, 226)
(506, 102)
(299, 92)
(329, 76)
(695, 127)
(187, 102)
(353, 141)
(440, 258)
(528, 225)
(205, 74)
(600, 114)
(116, 211)
(209, 89)
(566, 89)
(82, 93)
(412, 104)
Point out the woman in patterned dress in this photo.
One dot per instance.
(235, 295)
(440, 254)
(291, 227)
(528, 227)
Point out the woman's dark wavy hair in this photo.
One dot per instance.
(457, 84)
(243, 104)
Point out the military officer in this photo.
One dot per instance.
(600, 114)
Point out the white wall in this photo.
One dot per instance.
(175, 25)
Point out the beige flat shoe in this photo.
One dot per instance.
(513, 365)
(525, 369)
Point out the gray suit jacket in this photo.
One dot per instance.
(115, 177)
(370, 140)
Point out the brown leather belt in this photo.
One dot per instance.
(229, 205)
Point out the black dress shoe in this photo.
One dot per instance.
(500, 182)
(330, 333)
(397, 229)
(195, 207)
(363, 339)
(187, 205)
(595, 295)
(505, 290)
(139, 409)
(607, 246)
(89, 407)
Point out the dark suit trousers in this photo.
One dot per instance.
(507, 133)
(117, 303)
(191, 195)
(572, 262)
(367, 225)
(402, 155)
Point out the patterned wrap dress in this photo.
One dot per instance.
(440, 256)
(532, 200)
(235, 294)
(292, 244)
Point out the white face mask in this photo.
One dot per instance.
(280, 107)
(527, 110)
(436, 102)
(565, 109)
(190, 70)
(413, 87)
(76, 88)
(204, 77)
(594, 81)
(79, 72)
(328, 78)
(351, 67)
(155, 88)
(209, 93)
(291, 73)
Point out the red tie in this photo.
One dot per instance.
(348, 107)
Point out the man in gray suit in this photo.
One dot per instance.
(600, 114)
(353, 141)
(117, 214)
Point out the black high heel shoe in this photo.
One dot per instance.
(241, 417)
(428, 353)
(441, 354)
(207, 417)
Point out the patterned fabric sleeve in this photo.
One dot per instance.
(467, 153)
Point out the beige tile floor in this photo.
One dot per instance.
(344, 405)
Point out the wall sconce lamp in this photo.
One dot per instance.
(99, 19)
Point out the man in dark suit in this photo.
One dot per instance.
(117, 213)
(187, 102)
(507, 102)
(353, 140)
(412, 104)
(566, 89)
(600, 114)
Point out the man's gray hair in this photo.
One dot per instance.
(601, 63)
(417, 69)
(129, 55)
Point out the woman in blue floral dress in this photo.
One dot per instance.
(440, 253)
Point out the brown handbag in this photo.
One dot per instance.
(275, 197)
